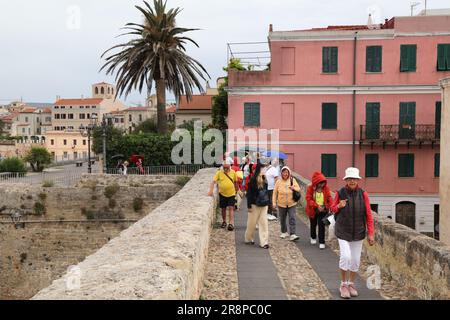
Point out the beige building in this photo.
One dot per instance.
(71, 116)
(32, 124)
(444, 181)
(130, 118)
(199, 108)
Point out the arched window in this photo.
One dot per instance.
(102, 90)
(112, 90)
(109, 90)
(405, 213)
(96, 90)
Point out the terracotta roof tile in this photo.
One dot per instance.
(171, 109)
(78, 102)
(137, 109)
(198, 102)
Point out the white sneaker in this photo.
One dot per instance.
(294, 237)
(321, 246)
(271, 217)
(284, 235)
(313, 241)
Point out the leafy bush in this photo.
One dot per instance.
(181, 181)
(138, 203)
(13, 164)
(48, 184)
(111, 190)
(39, 208)
(42, 196)
(38, 157)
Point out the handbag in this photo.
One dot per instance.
(295, 194)
(262, 198)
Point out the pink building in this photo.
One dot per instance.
(364, 96)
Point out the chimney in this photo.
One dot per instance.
(58, 98)
(270, 27)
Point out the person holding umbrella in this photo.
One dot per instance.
(137, 160)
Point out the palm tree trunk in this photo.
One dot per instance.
(161, 105)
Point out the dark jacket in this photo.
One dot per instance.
(252, 192)
(353, 220)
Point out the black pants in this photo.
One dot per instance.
(313, 224)
(271, 209)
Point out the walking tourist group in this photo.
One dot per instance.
(272, 193)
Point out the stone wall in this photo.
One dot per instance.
(414, 260)
(444, 180)
(67, 225)
(162, 256)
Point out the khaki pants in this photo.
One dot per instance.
(258, 216)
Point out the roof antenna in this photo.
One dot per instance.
(413, 5)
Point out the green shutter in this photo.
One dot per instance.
(372, 120)
(256, 114)
(329, 59)
(437, 163)
(412, 57)
(406, 165)
(371, 165)
(329, 165)
(443, 57)
(408, 54)
(407, 120)
(437, 120)
(373, 58)
(378, 59)
(325, 60)
(369, 59)
(247, 114)
(334, 60)
(329, 115)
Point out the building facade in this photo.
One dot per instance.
(364, 96)
(70, 117)
(31, 124)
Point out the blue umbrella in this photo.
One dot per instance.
(275, 154)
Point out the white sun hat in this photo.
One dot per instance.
(352, 173)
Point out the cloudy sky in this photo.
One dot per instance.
(53, 47)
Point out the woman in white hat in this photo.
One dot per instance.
(353, 218)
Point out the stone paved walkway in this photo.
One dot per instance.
(287, 270)
(257, 275)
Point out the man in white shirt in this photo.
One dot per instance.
(272, 174)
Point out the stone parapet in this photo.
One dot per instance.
(162, 256)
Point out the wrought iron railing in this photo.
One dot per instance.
(397, 133)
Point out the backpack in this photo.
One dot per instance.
(262, 197)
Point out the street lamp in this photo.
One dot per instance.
(86, 132)
(105, 123)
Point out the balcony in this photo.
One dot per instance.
(421, 134)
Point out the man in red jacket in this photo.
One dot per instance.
(318, 203)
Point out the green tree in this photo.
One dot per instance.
(156, 53)
(220, 102)
(13, 164)
(147, 126)
(38, 157)
(2, 126)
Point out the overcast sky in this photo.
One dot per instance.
(53, 47)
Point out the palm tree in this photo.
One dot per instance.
(157, 54)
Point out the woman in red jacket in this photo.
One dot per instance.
(318, 202)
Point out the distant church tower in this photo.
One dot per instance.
(103, 90)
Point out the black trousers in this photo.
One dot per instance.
(313, 225)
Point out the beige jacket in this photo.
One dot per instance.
(282, 194)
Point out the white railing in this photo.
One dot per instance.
(185, 169)
(70, 175)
